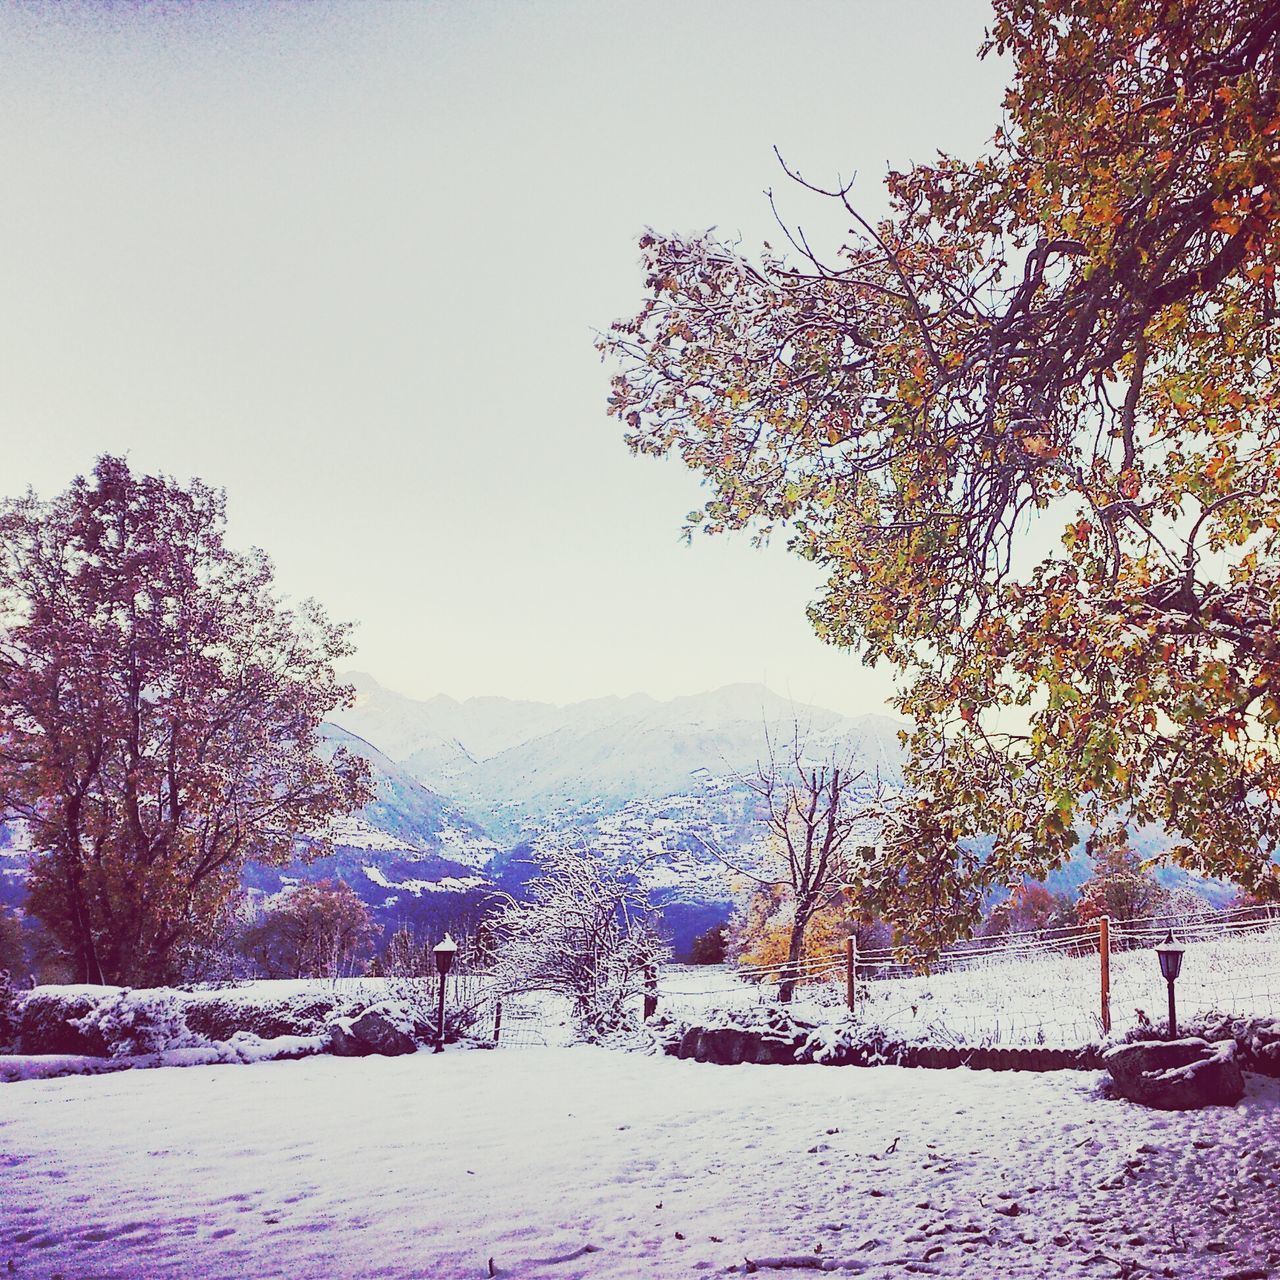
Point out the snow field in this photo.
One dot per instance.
(1019, 996)
(584, 1163)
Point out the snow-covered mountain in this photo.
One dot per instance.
(407, 842)
(515, 765)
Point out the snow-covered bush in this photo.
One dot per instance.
(218, 1016)
(412, 980)
(1257, 1038)
(468, 998)
(101, 1021)
(49, 1020)
(848, 1040)
(585, 932)
(135, 1022)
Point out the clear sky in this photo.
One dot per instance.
(346, 260)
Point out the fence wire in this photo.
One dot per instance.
(1039, 987)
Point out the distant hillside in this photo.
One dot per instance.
(469, 792)
(404, 848)
(516, 765)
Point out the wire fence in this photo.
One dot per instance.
(1060, 987)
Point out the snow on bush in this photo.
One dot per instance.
(137, 1022)
(584, 932)
(49, 1020)
(242, 1048)
(850, 1040)
(1257, 1039)
(246, 1047)
(218, 1016)
(467, 999)
(117, 1023)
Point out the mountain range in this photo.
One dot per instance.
(467, 792)
(513, 766)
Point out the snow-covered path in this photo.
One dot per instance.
(427, 1166)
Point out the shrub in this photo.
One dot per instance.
(585, 932)
(710, 947)
(136, 1022)
(1257, 1038)
(49, 1021)
(468, 999)
(218, 1017)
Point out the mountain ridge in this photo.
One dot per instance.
(515, 762)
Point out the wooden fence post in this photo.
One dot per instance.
(1104, 957)
(497, 1021)
(851, 971)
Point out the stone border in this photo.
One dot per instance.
(724, 1046)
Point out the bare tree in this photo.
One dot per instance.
(812, 814)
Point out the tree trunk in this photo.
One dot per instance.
(789, 978)
(88, 965)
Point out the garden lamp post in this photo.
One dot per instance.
(1170, 954)
(444, 953)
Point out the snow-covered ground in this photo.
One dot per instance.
(585, 1163)
(1019, 995)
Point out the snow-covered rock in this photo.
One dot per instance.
(1177, 1075)
(385, 1028)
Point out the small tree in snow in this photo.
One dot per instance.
(585, 932)
(711, 947)
(814, 816)
(1120, 886)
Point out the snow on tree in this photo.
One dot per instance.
(585, 931)
(1027, 427)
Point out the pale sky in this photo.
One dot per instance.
(346, 260)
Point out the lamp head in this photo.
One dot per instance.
(1170, 954)
(444, 953)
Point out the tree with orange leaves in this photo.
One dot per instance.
(1027, 425)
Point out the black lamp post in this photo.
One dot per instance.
(1170, 954)
(444, 953)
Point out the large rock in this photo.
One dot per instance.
(342, 1043)
(386, 1028)
(1177, 1075)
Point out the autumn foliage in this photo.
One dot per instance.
(763, 926)
(160, 713)
(1029, 908)
(312, 930)
(1027, 425)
